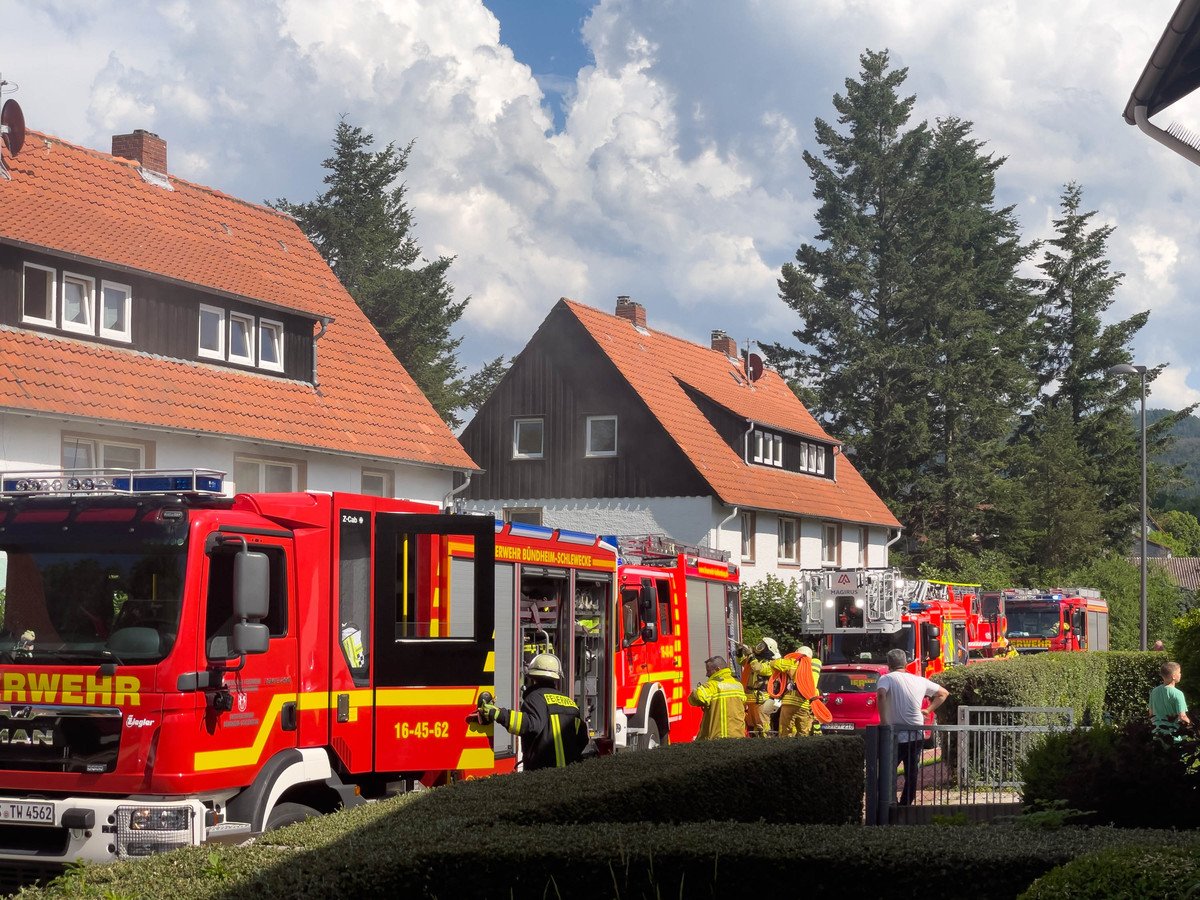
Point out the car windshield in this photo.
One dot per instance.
(848, 682)
(1036, 622)
(869, 648)
(90, 584)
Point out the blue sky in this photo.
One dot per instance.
(644, 147)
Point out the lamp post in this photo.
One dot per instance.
(1126, 369)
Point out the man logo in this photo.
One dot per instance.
(843, 578)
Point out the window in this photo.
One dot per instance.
(271, 476)
(212, 332)
(219, 617)
(831, 544)
(526, 515)
(270, 345)
(787, 539)
(864, 540)
(527, 439)
(241, 338)
(376, 483)
(601, 436)
(768, 448)
(81, 451)
(78, 303)
(748, 523)
(812, 458)
(37, 294)
(115, 307)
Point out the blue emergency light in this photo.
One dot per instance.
(114, 481)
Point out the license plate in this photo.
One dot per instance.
(27, 813)
(838, 726)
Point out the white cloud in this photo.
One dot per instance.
(678, 175)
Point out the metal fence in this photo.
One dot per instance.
(971, 767)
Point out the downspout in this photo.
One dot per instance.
(899, 532)
(721, 524)
(325, 320)
(746, 460)
(458, 490)
(1168, 140)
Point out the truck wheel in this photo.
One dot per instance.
(289, 814)
(651, 738)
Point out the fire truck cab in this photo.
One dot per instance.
(1063, 619)
(178, 666)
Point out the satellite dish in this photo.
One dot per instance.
(754, 366)
(12, 126)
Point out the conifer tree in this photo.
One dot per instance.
(362, 226)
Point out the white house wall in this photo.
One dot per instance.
(33, 443)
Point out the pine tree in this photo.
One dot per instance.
(362, 226)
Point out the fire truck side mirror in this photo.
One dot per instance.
(251, 585)
(650, 632)
(249, 637)
(648, 602)
(929, 640)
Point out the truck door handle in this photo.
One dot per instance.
(343, 708)
(287, 716)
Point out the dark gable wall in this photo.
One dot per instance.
(563, 377)
(165, 319)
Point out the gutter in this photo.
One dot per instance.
(458, 490)
(324, 320)
(1181, 146)
(721, 525)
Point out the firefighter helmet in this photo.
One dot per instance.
(545, 665)
(767, 647)
(805, 651)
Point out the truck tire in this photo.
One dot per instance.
(651, 738)
(289, 814)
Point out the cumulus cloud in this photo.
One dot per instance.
(677, 175)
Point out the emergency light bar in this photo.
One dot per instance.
(208, 482)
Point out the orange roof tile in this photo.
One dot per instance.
(71, 200)
(658, 365)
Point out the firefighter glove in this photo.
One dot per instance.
(488, 711)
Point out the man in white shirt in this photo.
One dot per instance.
(900, 695)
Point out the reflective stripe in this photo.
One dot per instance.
(515, 720)
(560, 757)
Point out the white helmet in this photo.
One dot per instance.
(805, 651)
(768, 646)
(545, 665)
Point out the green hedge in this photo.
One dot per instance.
(1165, 873)
(1110, 686)
(398, 849)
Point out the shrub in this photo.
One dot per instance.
(771, 608)
(1161, 872)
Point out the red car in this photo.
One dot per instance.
(848, 689)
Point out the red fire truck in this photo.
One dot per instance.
(1070, 619)
(986, 620)
(178, 667)
(857, 616)
(680, 605)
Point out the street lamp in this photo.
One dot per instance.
(1126, 369)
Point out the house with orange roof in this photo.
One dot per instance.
(604, 425)
(148, 322)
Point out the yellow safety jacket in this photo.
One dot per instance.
(787, 667)
(724, 702)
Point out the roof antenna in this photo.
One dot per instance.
(12, 125)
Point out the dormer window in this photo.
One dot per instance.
(115, 311)
(78, 301)
(768, 448)
(212, 332)
(241, 338)
(270, 345)
(38, 288)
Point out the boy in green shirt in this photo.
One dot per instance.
(1167, 703)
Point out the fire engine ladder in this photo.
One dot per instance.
(883, 598)
(646, 548)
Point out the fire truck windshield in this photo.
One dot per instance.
(1036, 621)
(90, 584)
(869, 648)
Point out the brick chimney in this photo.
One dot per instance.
(723, 342)
(143, 146)
(631, 310)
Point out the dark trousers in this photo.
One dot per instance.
(909, 753)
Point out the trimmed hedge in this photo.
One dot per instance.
(1109, 686)
(1165, 873)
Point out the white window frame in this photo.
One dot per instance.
(777, 454)
(788, 547)
(749, 524)
(595, 453)
(98, 443)
(251, 338)
(864, 540)
(261, 462)
(52, 292)
(266, 326)
(757, 455)
(385, 482)
(206, 353)
(89, 304)
(768, 448)
(831, 543)
(820, 468)
(528, 420)
(524, 514)
(115, 334)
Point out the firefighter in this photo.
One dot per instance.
(553, 732)
(758, 704)
(795, 712)
(723, 700)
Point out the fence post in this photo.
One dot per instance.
(871, 784)
(887, 774)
